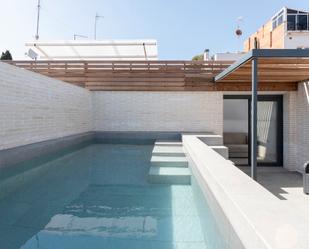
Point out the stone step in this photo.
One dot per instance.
(168, 143)
(222, 150)
(159, 150)
(169, 175)
(169, 161)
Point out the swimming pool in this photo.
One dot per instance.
(98, 196)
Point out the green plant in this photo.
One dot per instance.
(198, 57)
(6, 55)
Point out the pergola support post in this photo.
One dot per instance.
(254, 102)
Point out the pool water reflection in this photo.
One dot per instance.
(98, 197)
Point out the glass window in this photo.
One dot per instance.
(274, 24)
(291, 22)
(302, 22)
(280, 20)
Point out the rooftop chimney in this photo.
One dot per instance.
(206, 55)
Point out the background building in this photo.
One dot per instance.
(287, 29)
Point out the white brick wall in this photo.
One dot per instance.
(289, 130)
(302, 125)
(296, 128)
(158, 111)
(35, 108)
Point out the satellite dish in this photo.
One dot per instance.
(33, 55)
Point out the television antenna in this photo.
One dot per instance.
(97, 17)
(38, 20)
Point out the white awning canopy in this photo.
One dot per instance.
(95, 50)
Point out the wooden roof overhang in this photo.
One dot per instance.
(277, 70)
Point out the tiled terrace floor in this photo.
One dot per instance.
(285, 185)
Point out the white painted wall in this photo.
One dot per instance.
(35, 108)
(297, 39)
(158, 111)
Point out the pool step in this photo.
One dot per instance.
(169, 164)
(169, 161)
(168, 143)
(169, 175)
(171, 150)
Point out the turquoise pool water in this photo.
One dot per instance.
(98, 197)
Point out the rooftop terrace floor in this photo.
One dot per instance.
(284, 185)
(287, 188)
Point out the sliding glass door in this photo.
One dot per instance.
(270, 128)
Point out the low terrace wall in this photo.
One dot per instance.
(248, 215)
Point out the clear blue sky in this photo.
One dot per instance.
(183, 28)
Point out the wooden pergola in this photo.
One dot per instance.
(104, 75)
(153, 75)
(271, 69)
(266, 66)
